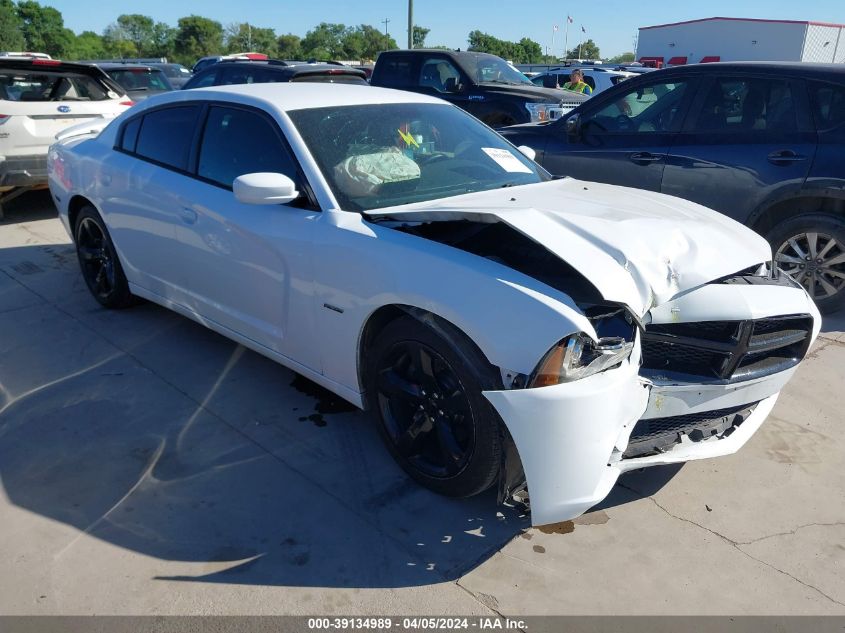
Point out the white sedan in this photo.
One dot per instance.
(502, 326)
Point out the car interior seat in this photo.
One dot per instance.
(752, 109)
(430, 76)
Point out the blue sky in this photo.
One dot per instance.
(611, 23)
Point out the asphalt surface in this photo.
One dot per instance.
(150, 466)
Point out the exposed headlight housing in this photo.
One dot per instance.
(578, 356)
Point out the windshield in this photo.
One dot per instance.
(175, 70)
(376, 156)
(140, 79)
(18, 85)
(492, 69)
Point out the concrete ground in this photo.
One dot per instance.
(150, 466)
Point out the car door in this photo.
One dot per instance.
(141, 185)
(623, 138)
(749, 140)
(248, 267)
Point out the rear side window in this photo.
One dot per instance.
(130, 135)
(748, 105)
(51, 86)
(165, 136)
(396, 71)
(237, 142)
(244, 74)
(140, 79)
(828, 105)
(203, 81)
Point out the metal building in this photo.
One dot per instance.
(741, 39)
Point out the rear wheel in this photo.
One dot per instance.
(811, 249)
(98, 260)
(425, 393)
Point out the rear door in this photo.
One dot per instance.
(749, 140)
(624, 138)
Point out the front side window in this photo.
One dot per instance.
(237, 142)
(747, 105)
(492, 69)
(380, 155)
(166, 135)
(140, 79)
(651, 108)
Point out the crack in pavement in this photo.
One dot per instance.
(482, 602)
(736, 545)
(790, 532)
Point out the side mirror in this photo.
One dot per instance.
(529, 152)
(264, 188)
(452, 85)
(573, 126)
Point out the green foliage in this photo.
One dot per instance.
(588, 50)
(197, 37)
(87, 45)
(43, 29)
(289, 47)
(420, 33)
(526, 51)
(337, 41)
(624, 58)
(11, 37)
(245, 37)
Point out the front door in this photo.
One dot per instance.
(623, 140)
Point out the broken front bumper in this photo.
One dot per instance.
(572, 438)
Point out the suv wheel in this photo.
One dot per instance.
(811, 249)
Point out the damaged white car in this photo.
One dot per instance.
(502, 326)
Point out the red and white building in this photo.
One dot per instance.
(741, 39)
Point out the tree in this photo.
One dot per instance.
(288, 47)
(366, 42)
(525, 51)
(624, 58)
(11, 37)
(197, 37)
(242, 37)
(163, 40)
(87, 45)
(138, 29)
(43, 29)
(419, 35)
(588, 50)
(325, 41)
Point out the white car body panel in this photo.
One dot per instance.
(299, 285)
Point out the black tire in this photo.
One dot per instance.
(818, 263)
(99, 262)
(431, 413)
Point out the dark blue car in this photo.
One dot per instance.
(763, 143)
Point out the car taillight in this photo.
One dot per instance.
(4, 118)
(46, 62)
(127, 103)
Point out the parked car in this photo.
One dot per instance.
(255, 72)
(205, 62)
(598, 78)
(484, 85)
(500, 325)
(39, 98)
(177, 75)
(761, 142)
(138, 80)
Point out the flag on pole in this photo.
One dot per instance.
(583, 30)
(554, 28)
(569, 19)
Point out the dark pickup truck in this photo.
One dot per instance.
(484, 85)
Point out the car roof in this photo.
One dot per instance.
(285, 97)
(122, 66)
(802, 68)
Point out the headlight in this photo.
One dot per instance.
(578, 356)
(542, 111)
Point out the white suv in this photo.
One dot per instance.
(38, 99)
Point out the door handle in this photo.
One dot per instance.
(785, 156)
(188, 215)
(644, 157)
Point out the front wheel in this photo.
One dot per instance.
(811, 249)
(426, 396)
(98, 260)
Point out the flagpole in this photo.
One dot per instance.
(580, 41)
(566, 38)
(554, 32)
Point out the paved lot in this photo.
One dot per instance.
(148, 465)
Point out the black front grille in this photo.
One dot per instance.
(658, 435)
(725, 351)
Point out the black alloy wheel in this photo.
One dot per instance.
(424, 385)
(98, 260)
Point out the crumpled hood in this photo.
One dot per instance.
(636, 247)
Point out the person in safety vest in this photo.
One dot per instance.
(576, 83)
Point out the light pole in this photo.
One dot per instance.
(410, 23)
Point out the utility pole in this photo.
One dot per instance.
(385, 21)
(410, 24)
